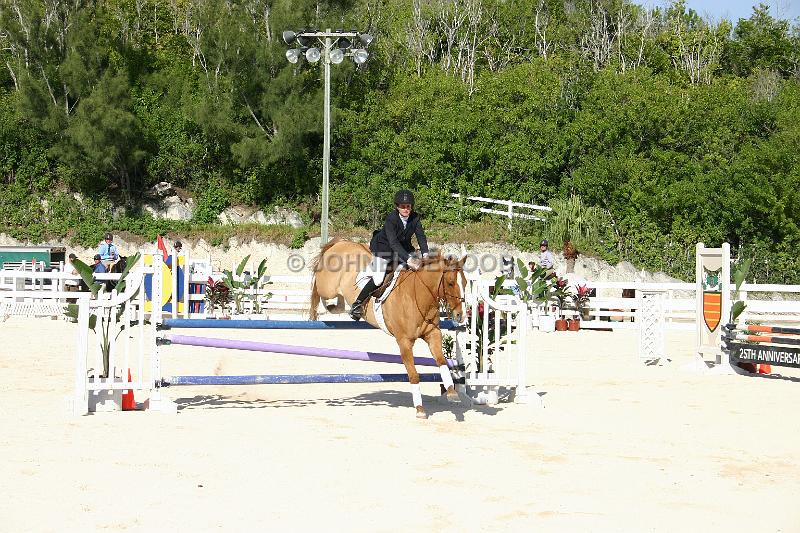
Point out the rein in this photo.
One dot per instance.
(436, 298)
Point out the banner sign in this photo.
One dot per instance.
(760, 353)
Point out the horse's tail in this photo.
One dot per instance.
(313, 313)
(315, 267)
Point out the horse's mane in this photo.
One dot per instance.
(443, 263)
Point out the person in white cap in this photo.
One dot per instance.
(546, 258)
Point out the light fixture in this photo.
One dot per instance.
(336, 56)
(326, 47)
(365, 39)
(313, 55)
(304, 40)
(360, 56)
(293, 55)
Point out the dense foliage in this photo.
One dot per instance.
(680, 128)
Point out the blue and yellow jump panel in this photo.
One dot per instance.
(173, 288)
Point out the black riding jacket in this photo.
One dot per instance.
(393, 241)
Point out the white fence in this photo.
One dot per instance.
(776, 304)
(509, 208)
(493, 348)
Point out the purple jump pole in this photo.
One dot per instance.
(293, 379)
(188, 340)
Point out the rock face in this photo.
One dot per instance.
(284, 216)
(162, 201)
(242, 215)
(171, 208)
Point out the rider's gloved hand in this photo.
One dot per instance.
(414, 263)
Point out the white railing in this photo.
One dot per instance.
(290, 295)
(509, 208)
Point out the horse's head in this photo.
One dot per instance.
(119, 266)
(453, 286)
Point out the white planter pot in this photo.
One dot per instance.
(547, 323)
(101, 401)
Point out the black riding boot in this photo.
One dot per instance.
(357, 311)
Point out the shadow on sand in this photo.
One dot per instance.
(387, 398)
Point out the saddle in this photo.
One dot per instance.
(387, 280)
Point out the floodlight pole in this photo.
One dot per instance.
(327, 39)
(326, 144)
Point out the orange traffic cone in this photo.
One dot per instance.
(128, 402)
(764, 369)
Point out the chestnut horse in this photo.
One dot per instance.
(410, 312)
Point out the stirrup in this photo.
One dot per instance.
(357, 311)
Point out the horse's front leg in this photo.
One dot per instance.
(434, 340)
(407, 356)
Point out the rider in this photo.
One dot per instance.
(99, 267)
(391, 245)
(108, 251)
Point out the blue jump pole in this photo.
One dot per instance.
(203, 323)
(292, 379)
(253, 346)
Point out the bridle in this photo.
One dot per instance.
(440, 294)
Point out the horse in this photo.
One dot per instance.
(411, 311)
(117, 268)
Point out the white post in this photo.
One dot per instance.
(510, 214)
(521, 395)
(155, 320)
(326, 150)
(185, 284)
(80, 399)
(173, 281)
(650, 316)
(713, 294)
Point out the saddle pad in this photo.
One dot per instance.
(377, 303)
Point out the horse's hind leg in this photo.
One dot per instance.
(338, 307)
(407, 356)
(434, 340)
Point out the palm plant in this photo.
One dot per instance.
(534, 285)
(71, 311)
(242, 289)
(572, 223)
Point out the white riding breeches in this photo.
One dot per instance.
(375, 270)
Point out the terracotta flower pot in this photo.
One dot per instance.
(561, 324)
(574, 324)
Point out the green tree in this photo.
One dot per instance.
(762, 42)
(103, 139)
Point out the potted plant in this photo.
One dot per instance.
(580, 302)
(217, 294)
(562, 294)
(533, 286)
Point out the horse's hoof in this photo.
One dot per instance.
(451, 395)
(421, 412)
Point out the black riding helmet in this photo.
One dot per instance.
(404, 196)
(109, 237)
